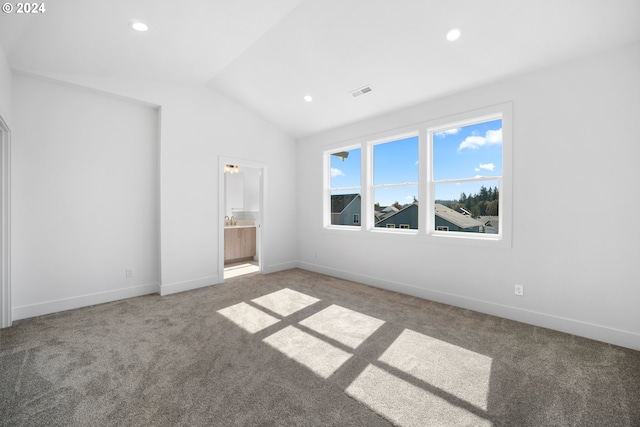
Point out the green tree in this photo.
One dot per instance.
(484, 194)
(492, 208)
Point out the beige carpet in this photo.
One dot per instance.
(302, 349)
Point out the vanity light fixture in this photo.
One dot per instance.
(231, 169)
(139, 26)
(454, 34)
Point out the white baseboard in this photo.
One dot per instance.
(571, 326)
(279, 267)
(173, 288)
(55, 306)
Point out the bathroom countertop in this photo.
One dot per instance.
(242, 223)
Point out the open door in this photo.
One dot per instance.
(241, 216)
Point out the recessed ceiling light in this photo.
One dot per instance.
(454, 34)
(138, 26)
(308, 98)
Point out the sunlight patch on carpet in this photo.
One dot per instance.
(405, 404)
(317, 355)
(285, 301)
(455, 370)
(240, 270)
(248, 318)
(343, 325)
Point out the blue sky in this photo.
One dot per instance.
(466, 152)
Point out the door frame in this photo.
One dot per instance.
(262, 167)
(5, 225)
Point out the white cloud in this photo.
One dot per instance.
(447, 132)
(336, 172)
(476, 169)
(474, 142)
(494, 136)
(487, 166)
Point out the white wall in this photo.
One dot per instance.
(198, 125)
(576, 241)
(85, 198)
(5, 90)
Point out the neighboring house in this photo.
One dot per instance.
(491, 223)
(385, 212)
(406, 217)
(345, 209)
(449, 220)
(446, 220)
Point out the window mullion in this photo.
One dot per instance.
(478, 179)
(427, 178)
(402, 184)
(345, 188)
(367, 188)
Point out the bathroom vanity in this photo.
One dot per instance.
(239, 242)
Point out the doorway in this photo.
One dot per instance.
(241, 217)
(5, 231)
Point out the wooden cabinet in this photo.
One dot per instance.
(239, 243)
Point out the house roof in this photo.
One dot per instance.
(341, 201)
(462, 221)
(448, 214)
(395, 211)
(490, 220)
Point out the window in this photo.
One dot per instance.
(345, 200)
(395, 182)
(445, 179)
(466, 176)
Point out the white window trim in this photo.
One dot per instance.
(500, 111)
(426, 184)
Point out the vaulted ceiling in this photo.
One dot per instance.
(269, 54)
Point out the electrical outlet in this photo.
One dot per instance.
(128, 273)
(519, 290)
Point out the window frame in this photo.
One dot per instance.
(328, 189)
(500, 111)
(369, 175)
(426, 184)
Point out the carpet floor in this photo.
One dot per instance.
(296, 348)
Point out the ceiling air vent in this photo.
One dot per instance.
(356, 93)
